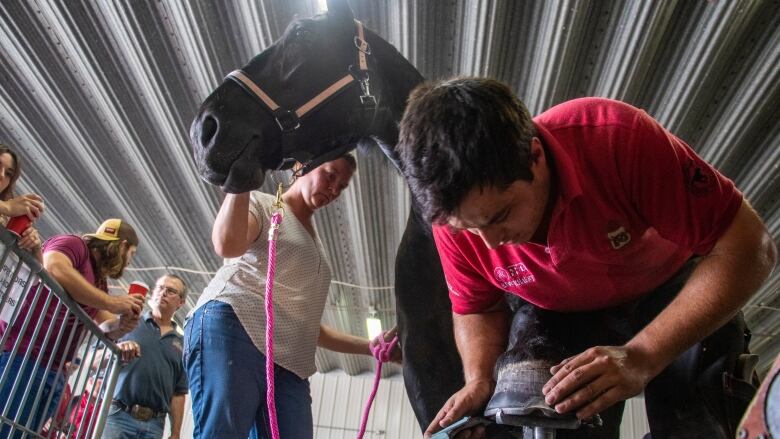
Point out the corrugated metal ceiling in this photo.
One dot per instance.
(98, 96)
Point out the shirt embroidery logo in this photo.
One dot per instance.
(619, 237)
(513, 276)
(699, 179)
(452, 290)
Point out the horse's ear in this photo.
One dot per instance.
(340, 10)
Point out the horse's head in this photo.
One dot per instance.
(309, 97)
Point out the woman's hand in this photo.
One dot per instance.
(28, 204)
(31, 240)
(395, 353)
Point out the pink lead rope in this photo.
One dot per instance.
(380, 348)
(276, 220)
(381, 351)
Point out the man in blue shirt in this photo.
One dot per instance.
(154, 383)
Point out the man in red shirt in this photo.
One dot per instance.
(590, 206)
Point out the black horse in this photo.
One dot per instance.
(327, 86)
(293, 103)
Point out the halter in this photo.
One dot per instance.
(290, 120)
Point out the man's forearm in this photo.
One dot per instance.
(718, 287)
(114, 329)
(481, 338)
(77, 287)
(177, 414)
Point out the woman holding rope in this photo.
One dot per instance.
(224, 351)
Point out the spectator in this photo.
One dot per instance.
(80, 264)
(11, 206)
(58, 421)
(75, 411)
(154, 383)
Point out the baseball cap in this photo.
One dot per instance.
(108, 231)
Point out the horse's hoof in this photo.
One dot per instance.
(518, 398)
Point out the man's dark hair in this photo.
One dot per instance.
(461, 134)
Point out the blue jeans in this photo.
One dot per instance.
(35, 377)
(120, 425)
(227, 381)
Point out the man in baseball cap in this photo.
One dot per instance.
(81, 265)
(112, 230)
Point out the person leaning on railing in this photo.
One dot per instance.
(11, 206)
(81, 265)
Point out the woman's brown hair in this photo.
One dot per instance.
(8, 192)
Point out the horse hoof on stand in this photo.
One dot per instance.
(518, 399)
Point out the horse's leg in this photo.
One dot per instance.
(524, 368)
(431, 365)
(538, 340)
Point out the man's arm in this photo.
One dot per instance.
(481, 338)
(177, 414)
(719, 286)
(83, 292)
(115, 327)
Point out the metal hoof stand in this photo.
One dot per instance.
(530, 426)
(56, 365)
(541, 426)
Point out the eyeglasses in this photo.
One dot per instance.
(168, 291)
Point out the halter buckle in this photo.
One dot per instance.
(362, 45)
(287, 120)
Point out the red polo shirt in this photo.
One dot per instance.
(634, 203)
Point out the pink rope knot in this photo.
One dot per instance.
(381, 350)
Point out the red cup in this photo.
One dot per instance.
(137, 287)
(19, 224)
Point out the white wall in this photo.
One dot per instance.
(338, 400)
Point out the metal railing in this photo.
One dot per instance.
(56, 366)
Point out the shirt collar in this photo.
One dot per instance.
(148, 317)
(563, 167)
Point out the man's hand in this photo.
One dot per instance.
(127, 322)
(129, 350)
(596, 379)
(173, 436)
(127, 304)
(466, 401)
